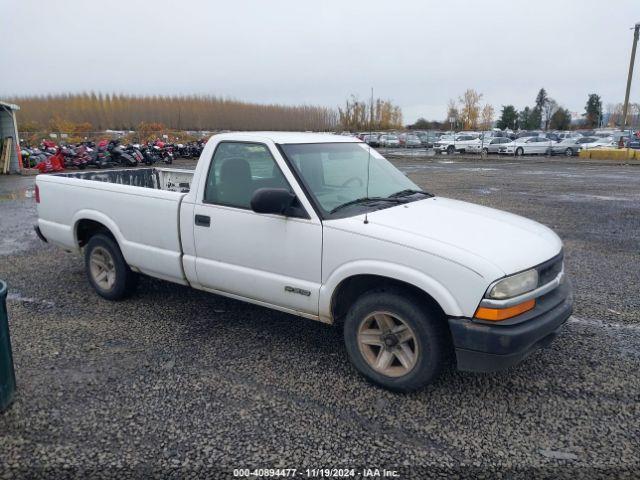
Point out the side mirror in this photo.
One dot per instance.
(279, 201)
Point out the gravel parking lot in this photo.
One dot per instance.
(176, 382)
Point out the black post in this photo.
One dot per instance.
(7, 373)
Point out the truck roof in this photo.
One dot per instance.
(289, 137)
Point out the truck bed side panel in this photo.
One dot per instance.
(143, 221)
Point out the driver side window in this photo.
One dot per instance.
(237, 170)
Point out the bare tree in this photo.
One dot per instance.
(548, 109)
(356, 115)
(470, 112)
(487, 117)
(453, 114)
(190, 112)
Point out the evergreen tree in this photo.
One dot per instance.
(593, 110)
(560, 120)
(524, 118)
(508, 117)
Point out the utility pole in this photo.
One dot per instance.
(633, 59)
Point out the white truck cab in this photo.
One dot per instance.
(323, 227)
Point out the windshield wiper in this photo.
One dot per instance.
(408, 192)
(366, 200)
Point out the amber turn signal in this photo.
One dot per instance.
(498, 314)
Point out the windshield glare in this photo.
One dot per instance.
(336, 173)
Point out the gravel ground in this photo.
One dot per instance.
(179, 383)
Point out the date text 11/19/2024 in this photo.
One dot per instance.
(316, 472)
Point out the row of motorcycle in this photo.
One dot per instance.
(50, 157)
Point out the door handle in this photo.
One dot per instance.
(203, 220)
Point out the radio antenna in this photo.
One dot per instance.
(366, 215)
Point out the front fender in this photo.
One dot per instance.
(391, 270)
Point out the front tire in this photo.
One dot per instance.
(519, 152)
(451, 150)
(107, 270)
(394, 340)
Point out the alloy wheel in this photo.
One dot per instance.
(103, 270)
(388, 344)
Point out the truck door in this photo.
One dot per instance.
(266, 258)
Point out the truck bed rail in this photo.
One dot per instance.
(169, 179)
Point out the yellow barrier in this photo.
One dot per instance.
(611, 154)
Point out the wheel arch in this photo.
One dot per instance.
(349, 281)
(87, 223)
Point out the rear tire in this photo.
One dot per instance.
(107, 270)
(394, 340)
(568, 152)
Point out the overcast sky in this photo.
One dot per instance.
(417, 53)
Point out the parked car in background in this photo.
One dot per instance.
(493, 144)
(625, 136)
(455, 143)
(489, 135)
(596, 142)
(568, 147)
(445, 144)
(587, 133)
(526, 134)
(634, 143)
(527, 146)
(427, 139)
(474, 146)
(572, 146)
(412, 141)
(372, 139)
(551, 136)
(389, 141)
(564, 135)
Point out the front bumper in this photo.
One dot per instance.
(484, 347)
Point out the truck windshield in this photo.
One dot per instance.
(336, 174)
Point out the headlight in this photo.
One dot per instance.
(514, 285)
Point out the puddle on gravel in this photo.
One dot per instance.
(579, 197)
(17, 195)
(17, 297)
(486, 191)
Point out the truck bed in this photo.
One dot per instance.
(141, 207)
(169, 179)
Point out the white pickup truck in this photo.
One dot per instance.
(323, 227)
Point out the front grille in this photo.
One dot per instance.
(549, 269)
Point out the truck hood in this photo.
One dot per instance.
(459, 229)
